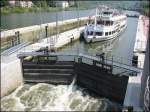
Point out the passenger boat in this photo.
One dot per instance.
(108, 23)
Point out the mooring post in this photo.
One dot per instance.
(71, 40)
(17, 34)
(21, 64)
(103, 59)
(12, 42)
(7, 43)
(112, 65)
(94, 62)
(46, 30)
(80, 59)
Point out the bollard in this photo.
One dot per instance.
(71, 40)
(135, 60)
(94, 62)
(17, 34)
(79, 59)
(12, 42)
(46, 30)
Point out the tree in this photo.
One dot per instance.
(4, 3)
(50, 3)
(41, 3)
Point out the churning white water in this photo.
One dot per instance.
(47, 97)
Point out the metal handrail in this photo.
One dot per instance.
(109, 58)
(89, 58)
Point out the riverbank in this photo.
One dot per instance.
(10, 10)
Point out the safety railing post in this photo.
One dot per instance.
(79, 59)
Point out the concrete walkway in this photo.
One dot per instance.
(133, 91)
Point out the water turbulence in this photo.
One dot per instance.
(48, 97)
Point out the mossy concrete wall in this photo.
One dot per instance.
(36, 32)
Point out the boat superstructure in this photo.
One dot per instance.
(108, 23)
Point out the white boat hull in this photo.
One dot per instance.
(104, 38)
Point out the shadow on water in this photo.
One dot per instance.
(119, 47)
(80, 46)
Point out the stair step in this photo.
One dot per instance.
(48, 70)
(48, 81)
(54, 63)
(45, 66)
(47, 74)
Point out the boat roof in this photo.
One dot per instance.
(115, 15)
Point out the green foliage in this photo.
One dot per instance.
(146, 8)
(4, 3)
(42, 3)
(40, 6)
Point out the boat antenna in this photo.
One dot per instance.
(40, 33)
(77, 8)
(57, 30)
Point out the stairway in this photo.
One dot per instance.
(54, 73)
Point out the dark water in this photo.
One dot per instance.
(12, 21)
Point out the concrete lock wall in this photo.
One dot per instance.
(146, 73)
(35, 32)
(11, 77)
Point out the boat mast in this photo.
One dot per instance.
(95, 23)
(40, 33)
(77, 8)
(57, 30)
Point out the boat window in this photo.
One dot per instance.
(107, 13)
(107, 23)
(103, 22)
(99, 33)
(111, 22)
(116, 30)
(122, 26)
(106, 33)
(109, 33)
(100, 22)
